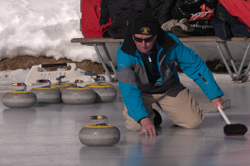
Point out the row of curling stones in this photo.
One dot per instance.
(99, 134)
(47, 94)
(19, 98)
(93, 92)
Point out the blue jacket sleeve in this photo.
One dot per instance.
(195, 68)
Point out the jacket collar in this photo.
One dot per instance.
(163, 39)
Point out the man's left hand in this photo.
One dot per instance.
(217, 102)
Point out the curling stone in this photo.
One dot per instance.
(19, 98)
(78, 95)
(104, 91)
(47, 94)
(99, 134)
(61, 85)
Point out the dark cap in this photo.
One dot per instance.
(145, 24)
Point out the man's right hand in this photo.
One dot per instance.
(148, 128)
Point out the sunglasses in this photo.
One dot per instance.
(149, 39)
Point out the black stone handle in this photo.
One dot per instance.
(54, 65)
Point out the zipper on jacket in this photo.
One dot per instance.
(150, 60)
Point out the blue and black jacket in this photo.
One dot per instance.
(133, 79)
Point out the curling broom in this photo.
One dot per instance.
(232, 129)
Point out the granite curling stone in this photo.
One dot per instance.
(78, 95)
(19, 98)
(47, 94)
(99, 134)
(105, 92)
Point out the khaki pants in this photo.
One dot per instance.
(182, 109)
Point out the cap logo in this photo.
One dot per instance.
(145, 30)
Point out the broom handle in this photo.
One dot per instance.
(224, 115)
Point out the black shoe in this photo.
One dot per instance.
(157, 119)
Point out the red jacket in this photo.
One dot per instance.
(91, 13)
(238, 8)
